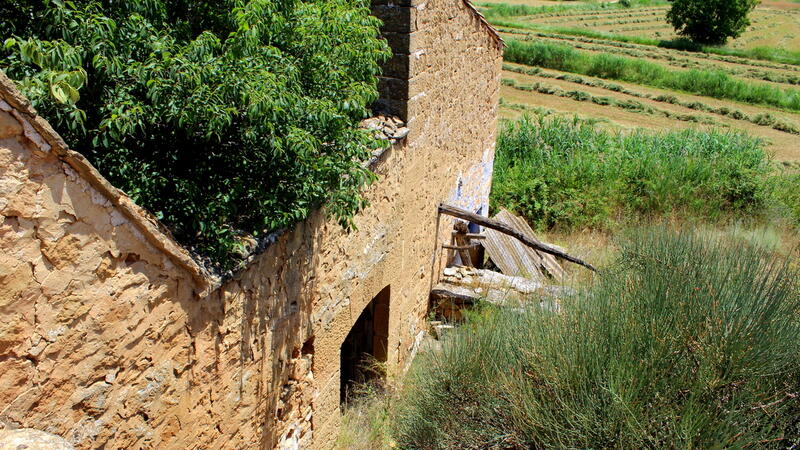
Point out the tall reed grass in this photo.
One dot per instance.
(715, 84)
(688, 341)
(568, 174)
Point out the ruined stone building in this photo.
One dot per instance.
(112, 335)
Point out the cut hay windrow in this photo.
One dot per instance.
(663, 48)
(763, 119)
(629, 105)
(715, 84)
(682, 62)
(777, 55)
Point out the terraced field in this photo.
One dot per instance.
(641, 34)
(770, 27)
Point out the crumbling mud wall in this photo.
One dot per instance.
(112, 335)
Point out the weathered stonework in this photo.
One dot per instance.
(112, 335)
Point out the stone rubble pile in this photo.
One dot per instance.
(389, 128)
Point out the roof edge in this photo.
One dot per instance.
(489, 28)
(154, 231)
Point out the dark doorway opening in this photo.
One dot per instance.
(365, 345)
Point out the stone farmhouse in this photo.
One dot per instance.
(112, 335)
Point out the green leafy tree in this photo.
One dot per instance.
(710, 21)
(222, 117)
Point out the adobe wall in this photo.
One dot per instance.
(111, 335)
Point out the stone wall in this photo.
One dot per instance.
(112, 335)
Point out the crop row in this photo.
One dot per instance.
(590, 24)
(762, 119)
(770, 58)
(491, 10)
(562, 19)
(688, 63)
(630, 105)
(714, 84)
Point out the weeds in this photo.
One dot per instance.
(689, 341)
(569, 175)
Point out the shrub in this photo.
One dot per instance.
(710, 21)
(688, 342)
(787, 195)
(220, 117)
(567, 174)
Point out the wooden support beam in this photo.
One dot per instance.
(458, 247)
(505, 229)
(477, 236)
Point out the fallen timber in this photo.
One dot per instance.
(503, 228)
(462, 287)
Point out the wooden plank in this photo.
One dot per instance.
(505, 229)
(511, 256)
(546, 261)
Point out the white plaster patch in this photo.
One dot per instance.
(117, 218)
(97, 197)
(31, 134)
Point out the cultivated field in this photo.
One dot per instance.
(758, 74)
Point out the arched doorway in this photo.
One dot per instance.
(366, 343)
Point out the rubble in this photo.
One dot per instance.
(388, 128)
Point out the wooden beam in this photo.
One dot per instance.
(458, 247)
(473, 235)
(505, 229)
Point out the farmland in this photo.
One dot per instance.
(625, 68)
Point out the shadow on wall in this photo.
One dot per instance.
(105, 341)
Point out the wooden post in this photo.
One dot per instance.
(462, 242)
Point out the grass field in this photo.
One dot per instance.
(625, 68)
(675, 169)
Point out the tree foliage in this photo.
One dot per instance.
(222, 117)
(710, 21)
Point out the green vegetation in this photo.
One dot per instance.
(223, 118)
(366, 419)
(569, 175)
(778, 55)
(787, 195)
(710, 21)
(763, 119)
(689, 341)
(493, 10)
(716, 84)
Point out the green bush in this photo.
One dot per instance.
(715, 84)
(688, 342)
(222, 117)
(567, 174)
(787, 195)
